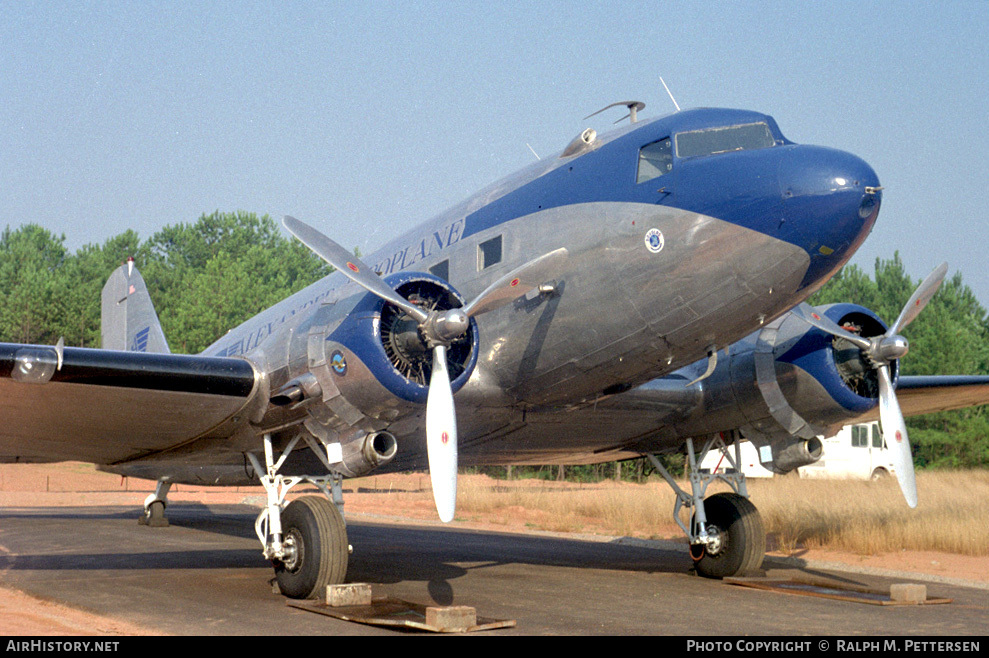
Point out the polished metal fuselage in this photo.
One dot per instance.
(619, 316)
(648, 288)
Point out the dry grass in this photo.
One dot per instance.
(620, 509)
(870, 518)
(866, 518)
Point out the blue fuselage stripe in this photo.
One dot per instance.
(757, 189)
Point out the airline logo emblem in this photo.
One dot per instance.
(654, 240)
(338, 363)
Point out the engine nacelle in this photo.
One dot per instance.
(789, 384)
(357, 364)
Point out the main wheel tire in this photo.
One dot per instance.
(742, 537)
(314, 528)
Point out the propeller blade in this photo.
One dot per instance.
(350, 265)
(518, 282)
(895, 433)
(919, 299)
(441, 437)
(807, 313)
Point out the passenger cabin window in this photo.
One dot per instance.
(441, 269)
(724, 140)
(655, 160)
(489, 253)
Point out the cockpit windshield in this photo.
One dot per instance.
(724, 139)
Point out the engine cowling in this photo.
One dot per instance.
(391, 345)
(815, 384)
(790, 383)
(358, 364)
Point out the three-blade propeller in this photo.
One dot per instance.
(881, 351)
(440, 328)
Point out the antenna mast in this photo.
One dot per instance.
(670, 95)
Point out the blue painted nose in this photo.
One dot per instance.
(830, 200)
(817, 170)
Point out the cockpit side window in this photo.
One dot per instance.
(724, 139)
(655, 159)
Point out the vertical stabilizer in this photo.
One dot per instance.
(128, 320)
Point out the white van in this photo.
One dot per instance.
(715, 462)
(856, 452)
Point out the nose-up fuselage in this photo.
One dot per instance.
(731, 165)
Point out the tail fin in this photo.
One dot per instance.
(129, 321)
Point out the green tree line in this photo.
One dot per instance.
(209, 276)
(204, 278)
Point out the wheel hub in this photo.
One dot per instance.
(715, 541)
(292, 550)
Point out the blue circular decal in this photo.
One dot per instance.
(655, 240)
(338, 363)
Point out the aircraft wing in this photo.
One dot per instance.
(106, 406)
(929, 394)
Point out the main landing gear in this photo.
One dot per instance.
(305, 540)
(726, 534)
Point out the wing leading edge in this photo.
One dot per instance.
(105, 406)
(929, 394)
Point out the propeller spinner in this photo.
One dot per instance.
(881, 351)
(440, 328)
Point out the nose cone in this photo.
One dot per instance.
(830, 199)
(814, 170)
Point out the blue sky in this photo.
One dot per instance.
(367, 118)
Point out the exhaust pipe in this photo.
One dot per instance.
(794, 454)
(380, 448)
(363, 455)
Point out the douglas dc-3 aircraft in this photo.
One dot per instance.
(641, 292)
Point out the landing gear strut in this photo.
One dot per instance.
(305, 540)
(726, 534)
